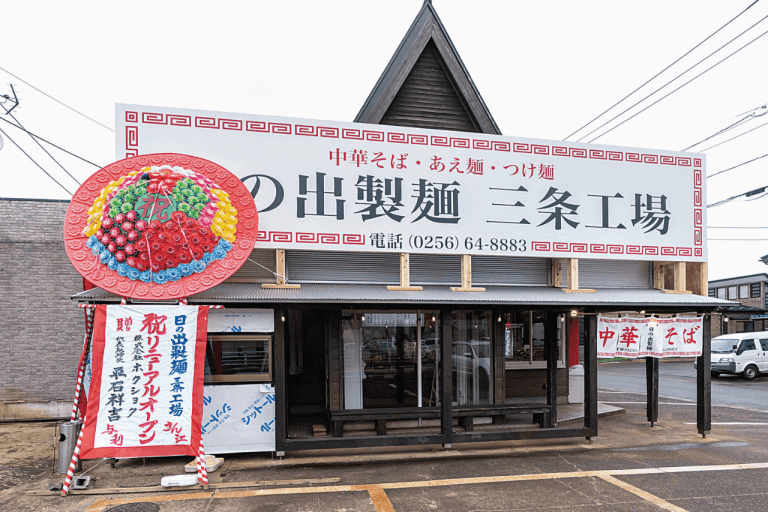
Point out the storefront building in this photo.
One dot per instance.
(384, 348)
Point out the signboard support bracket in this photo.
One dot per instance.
(280, 274)
(405, 277)
(573, 278)
(679, 272)
(466, 276)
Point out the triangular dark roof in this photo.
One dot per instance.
(426, 85)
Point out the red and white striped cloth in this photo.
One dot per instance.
(73, 463)
(83, 360)
(202, 472)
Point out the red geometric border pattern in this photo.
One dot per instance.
(641, 250)
(311, 238)
(395, 137)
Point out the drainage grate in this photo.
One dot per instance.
(135, 507)
(139, 481)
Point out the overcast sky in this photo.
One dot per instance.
(544, 69)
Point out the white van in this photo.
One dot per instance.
(744, 352)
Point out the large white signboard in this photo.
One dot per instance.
(324, 185)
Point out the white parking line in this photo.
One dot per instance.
(382, 503)
(734, 423)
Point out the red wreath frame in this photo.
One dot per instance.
(88, 266)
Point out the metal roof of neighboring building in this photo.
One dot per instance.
(368, 293)
(752, 278)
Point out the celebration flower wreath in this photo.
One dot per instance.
(164, 220)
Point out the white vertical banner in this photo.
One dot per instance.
(649, 337)
(146, 389)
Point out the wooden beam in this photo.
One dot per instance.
(405, 277)
(280, 271)
(556, 270)
(466, 276)
(573, 278)
(679, 279)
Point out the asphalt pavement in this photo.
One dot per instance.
(678, 379)
(629, 467)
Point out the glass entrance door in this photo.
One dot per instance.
(390, 359)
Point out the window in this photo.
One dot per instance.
(381, 358)
(524, 340)
(238, 358)
(472, 362)
(732, 293)
(712, 292)
(746, 345)
(745, 326)
(744, 291)
(764, 344)
(721, 293)
(754, 290)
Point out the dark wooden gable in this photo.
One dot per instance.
(426, 85)
(428, 98)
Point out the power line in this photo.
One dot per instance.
(677, 89)
(46, 151)
(749, 193)
(33, 161)
(57, 101)
(660, 72)
(727, 128)
(51, 143)
(735, 166)
(741, 121)
(735, 137)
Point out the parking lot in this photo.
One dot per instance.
(630, 466)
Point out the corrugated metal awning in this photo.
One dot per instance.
(371, 293)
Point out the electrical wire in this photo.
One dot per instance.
(758, 190)
(660, 72)
(46, 151)
(57, 101)
(741, 121)
(678, 88)
(33, 161)
(51, 143)
(736, 137)
(727, 128)
(735, 166)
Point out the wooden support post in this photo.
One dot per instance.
(280, 271)
(573, 278)
(590, 375)
(652, 389)
(679, 279)
(446, 369)
(704, 381)
(556, 270)
(466, 276)
(696, 278)
(405, 277)
(279, 383)
(658, 274)
(550, 341)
